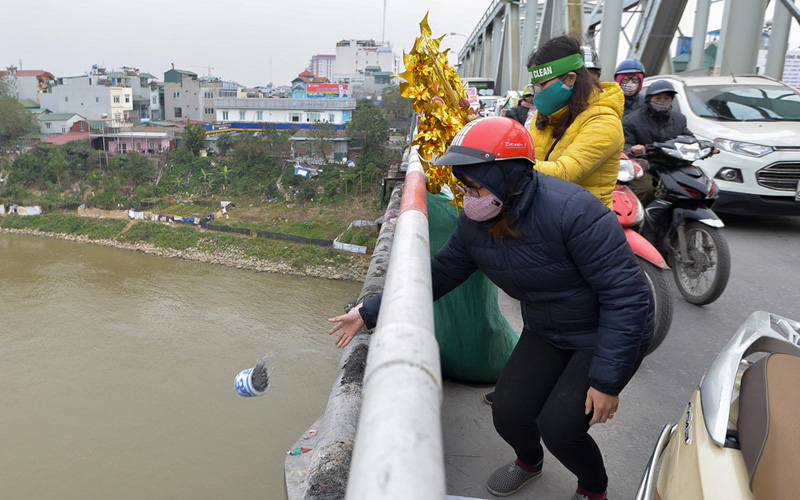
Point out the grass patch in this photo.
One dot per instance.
(178, 237)
(70, 224)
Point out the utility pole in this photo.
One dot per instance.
(575, 19)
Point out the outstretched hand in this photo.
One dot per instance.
(604, 405)
(348, 325)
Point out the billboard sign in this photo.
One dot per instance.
(328, 90)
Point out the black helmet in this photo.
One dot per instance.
(590, 58)
(630, 66)
(659, 87)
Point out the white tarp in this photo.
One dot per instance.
(36, 210)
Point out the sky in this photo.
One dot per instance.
(252, 42)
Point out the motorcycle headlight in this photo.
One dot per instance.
(627, 172)
(672, 152)
(742, 148)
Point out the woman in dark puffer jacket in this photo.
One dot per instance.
(586, 306)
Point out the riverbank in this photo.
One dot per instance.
(353, 269)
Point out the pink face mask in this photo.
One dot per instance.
(483, 208)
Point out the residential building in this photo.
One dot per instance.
(144, 139)
(94, 95)
(367, 66)
(295, 112)
(323, 65)
(79, 131)
(29, 83)
(61, 123)
(188, 97)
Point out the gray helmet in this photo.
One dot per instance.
(590, 58)
(659, 87)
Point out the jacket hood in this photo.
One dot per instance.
(505, 179)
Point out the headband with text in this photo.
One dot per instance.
(556, 68)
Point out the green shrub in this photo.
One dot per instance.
(158, 234)
(69, 224)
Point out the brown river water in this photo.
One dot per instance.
(117, 373)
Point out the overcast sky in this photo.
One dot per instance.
(252, 42)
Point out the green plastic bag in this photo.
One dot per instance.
(475, 339)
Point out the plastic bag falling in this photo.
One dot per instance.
(253, 381)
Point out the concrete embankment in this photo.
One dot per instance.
(228, 259)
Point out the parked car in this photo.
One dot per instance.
(755, 123)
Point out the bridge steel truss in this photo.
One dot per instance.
(510, 30)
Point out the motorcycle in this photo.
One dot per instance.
(680, 222)
(738, 436)
(630, 215)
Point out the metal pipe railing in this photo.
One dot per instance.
(398, 453)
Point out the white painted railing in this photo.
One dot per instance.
(398, 452)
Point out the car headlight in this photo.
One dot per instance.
(742, 148)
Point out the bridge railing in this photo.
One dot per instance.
(398, 451)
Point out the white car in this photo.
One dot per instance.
(755, 123)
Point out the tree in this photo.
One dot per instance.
(194, 136)
(370, 124)
(225, 142)
(397, 107)
(15, 120)
(320, 133)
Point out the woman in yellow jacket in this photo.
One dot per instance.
(577, 129)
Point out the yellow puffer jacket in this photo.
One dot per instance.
(588, 152)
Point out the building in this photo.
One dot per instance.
(95, 95)
(353, 57)
(367, 66)
(27, 84)
(323, 65)
(61, 123)
(79, 131)
(140, 138)
(187, 97)
(297, 112)
(302, 80)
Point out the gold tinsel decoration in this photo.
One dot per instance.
(440, 101)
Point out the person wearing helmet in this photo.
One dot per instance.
(656, 121)
(587, 310)
(630, 75)
(576, 130)
(591, 61)
(525, 107)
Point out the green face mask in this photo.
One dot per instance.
(553, 98)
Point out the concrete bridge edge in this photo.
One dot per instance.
(322, 473)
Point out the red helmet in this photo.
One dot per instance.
(489, 139)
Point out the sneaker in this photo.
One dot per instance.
(488, 398)
(510, 478)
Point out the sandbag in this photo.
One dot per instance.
(475, 339)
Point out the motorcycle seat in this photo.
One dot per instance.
(769, 405)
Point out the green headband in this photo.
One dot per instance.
(556, 68)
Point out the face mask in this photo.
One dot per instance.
(661, 107)
(553, 98)
(482, 209)
(629, 88)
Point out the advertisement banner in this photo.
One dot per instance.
(328, 90)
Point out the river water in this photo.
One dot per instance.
(117, 373)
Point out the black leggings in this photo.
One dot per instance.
(541, 396)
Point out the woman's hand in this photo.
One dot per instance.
(638, 149)
(348, 326)
(605, 405)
